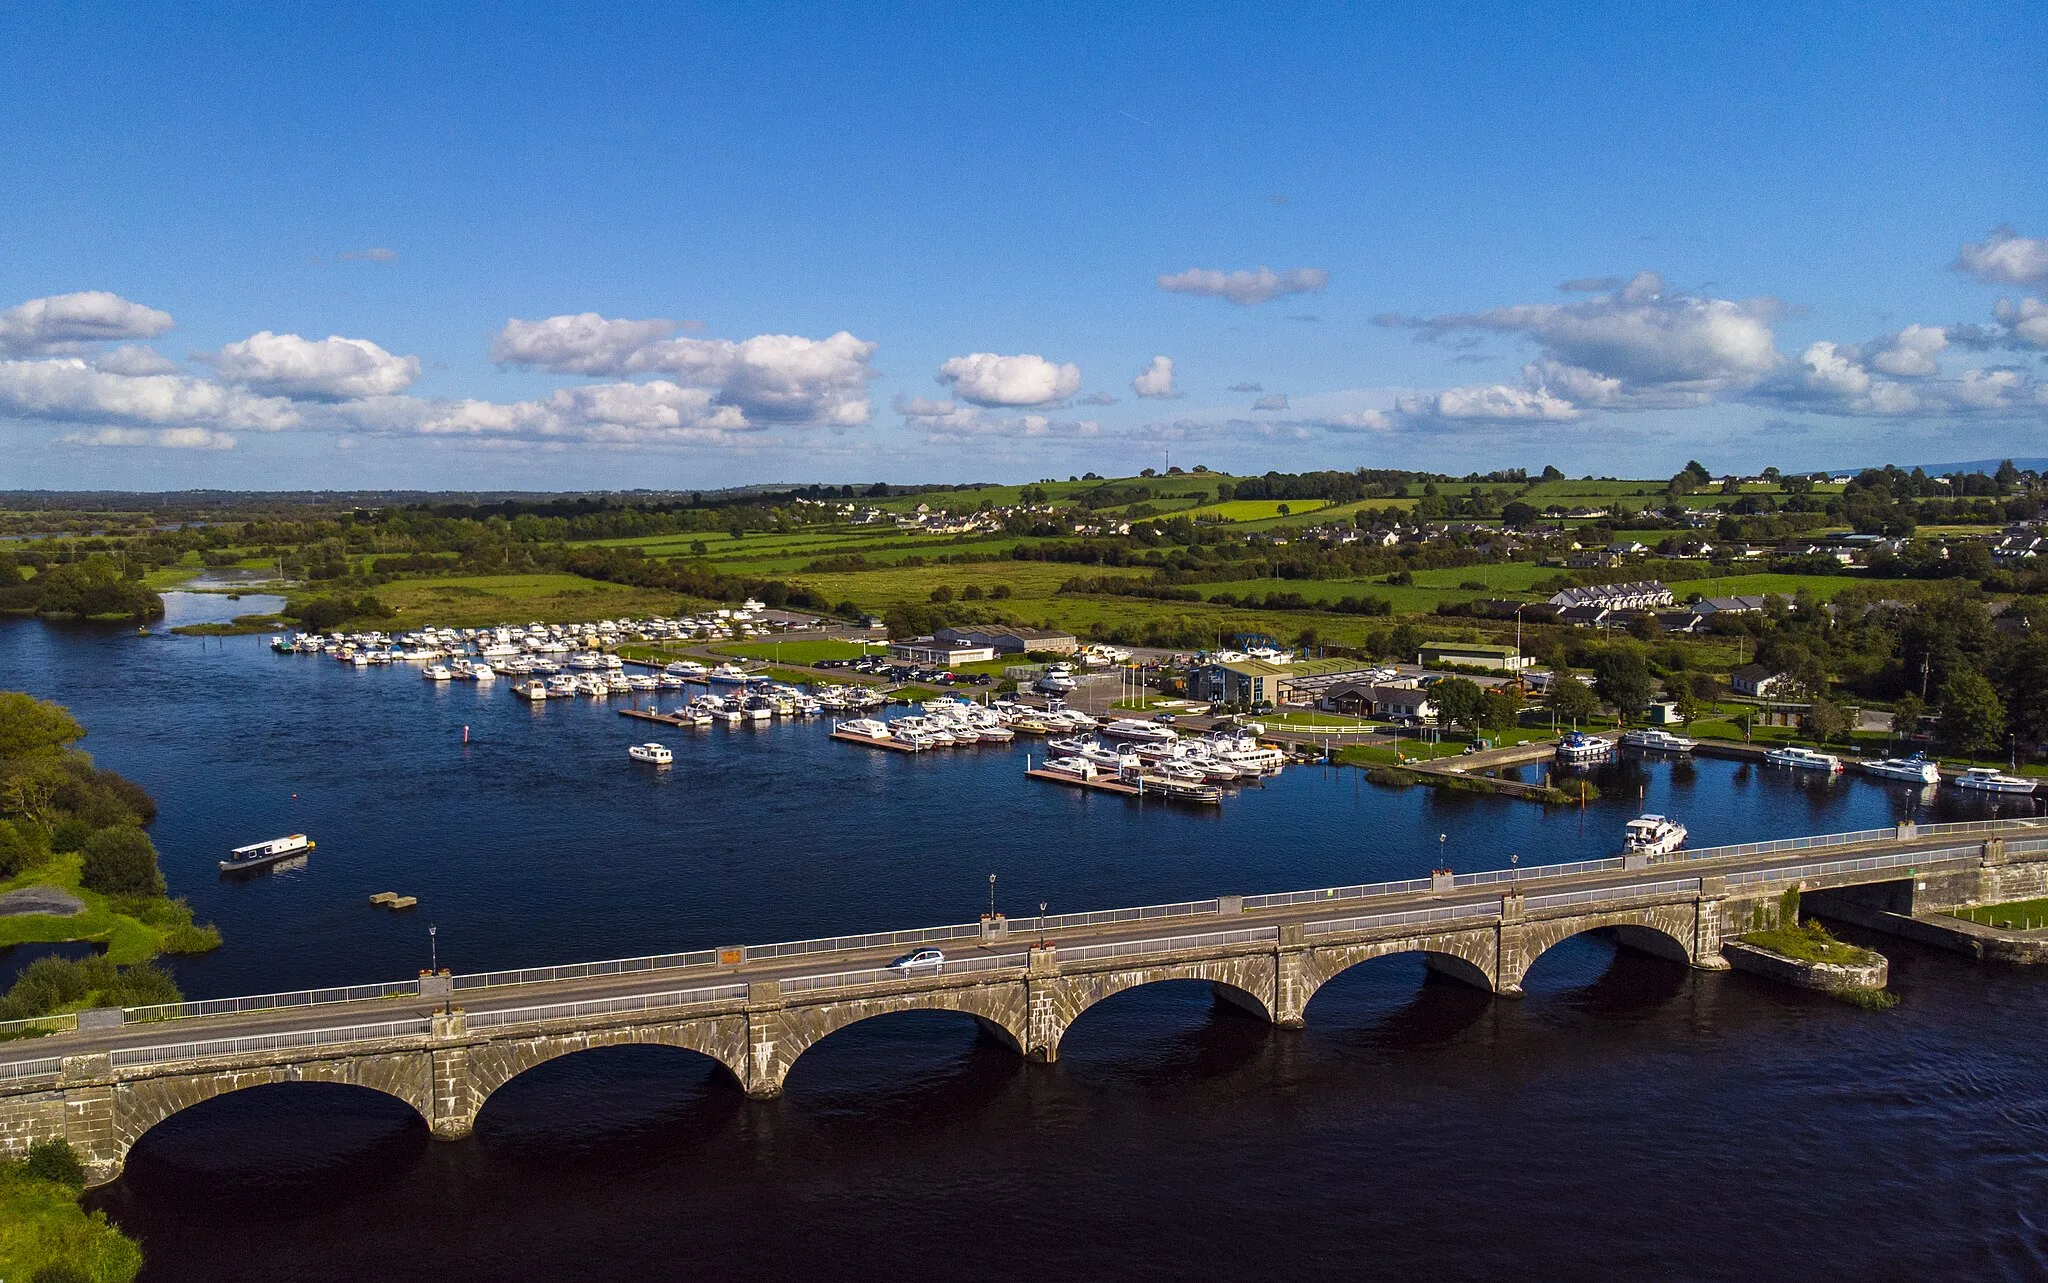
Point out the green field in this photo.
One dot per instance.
(2022, 915)
(796, 652)
(1259, 509)
(477, 600)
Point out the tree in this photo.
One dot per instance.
(1622, 677)
(1825, 720)
(121, 861)
(1972, 718)
(31, 726)
(1459, 701)
(1501, 708)
(1571, 699)
(1687, 702)
(1906, 714)
(1519, 514)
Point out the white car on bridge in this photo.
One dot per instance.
(922, 960)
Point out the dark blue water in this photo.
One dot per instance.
(1628, 1119)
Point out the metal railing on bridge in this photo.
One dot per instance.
(886, 975)
(272, 1001)
(1070, 921)
(606, 1006)
(1401, 918)
(1168, 944)
(1630, 892)
(585, 970)
(22, 1071)
(1897, 860)
(131, 1056)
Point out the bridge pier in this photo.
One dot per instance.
(1042, 1024)
(455, 1102)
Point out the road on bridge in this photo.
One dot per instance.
(1022, 936)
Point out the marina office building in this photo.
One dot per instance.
(1258, 681)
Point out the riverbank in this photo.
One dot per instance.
(46, 1234)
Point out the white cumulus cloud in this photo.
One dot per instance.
(64, 323)
(67, 389)
(1245, 288)
(1274, 401)
(770, 378)
(2026, 321)
(1156, 380)
(135, 359)
(1638, 345)
(652, 413)
(1489, 403)
(1911, 353)
(329, 369)
(162, 438)
(2005, 258)
(984, 378)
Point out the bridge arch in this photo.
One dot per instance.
(1471, 956)
(1248, 981)
(1666, 930)
(141, 1105)
(787, 1034)
(494, 1064)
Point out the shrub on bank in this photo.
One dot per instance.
(45, 1236)
(121, 861)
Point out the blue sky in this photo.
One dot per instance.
(428, 246)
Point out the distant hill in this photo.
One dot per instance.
(1943, 469)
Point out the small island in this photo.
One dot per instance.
(1808, 955)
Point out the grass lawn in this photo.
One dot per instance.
(795, 652)
(1810, 943)
(42, 1226)
(1260, 509)
(129, 940)
(477, 600)
(2023, 915)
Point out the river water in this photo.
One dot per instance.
(1629, 1118)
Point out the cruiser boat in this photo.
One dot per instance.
(1583, 750)
(654, 754)
(1805, 759)
(1651, 740)
(731, 674)
(915, 738)
(438, 673)
(1077, 768)
(1653, 835)
(1986, 779)
(533, 690)
(1130, 728)
(872, 727)
(1915, 769)
(686, 668)
(257, 854)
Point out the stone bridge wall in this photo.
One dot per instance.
(448, 1076)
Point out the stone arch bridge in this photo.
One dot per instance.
(1026, 983)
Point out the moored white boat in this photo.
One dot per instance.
(1804, 759)
(1583, 750)
(1987, 779)
(1915, 769)
(1653, 835)
(1651, 740)
(257, 854)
